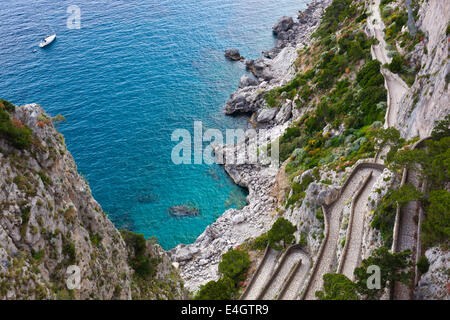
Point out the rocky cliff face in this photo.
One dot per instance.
(50, 221)
(434, 284)
(428, 99)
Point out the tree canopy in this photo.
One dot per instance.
(393, 267)
(337, 287)
(234, 264)
(282, 232)
(222, 289)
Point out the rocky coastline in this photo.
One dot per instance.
(198, 262)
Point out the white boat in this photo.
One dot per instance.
(47, 41)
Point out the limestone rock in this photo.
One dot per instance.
(285, 113)
(434, 284)
(283, 24)
(246, 81)
(266, 115)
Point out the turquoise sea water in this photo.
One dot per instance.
(133, 73)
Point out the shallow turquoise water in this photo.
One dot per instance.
(133, 73)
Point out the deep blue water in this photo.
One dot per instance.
(133, 73)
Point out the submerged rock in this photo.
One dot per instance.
(184, 211)
(233, 54)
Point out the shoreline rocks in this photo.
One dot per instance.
(283, 25)
(277, 68)
(246, 81)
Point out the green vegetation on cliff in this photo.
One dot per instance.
(337, 287)
(281, 234)
(233, 270)
(340, 92)
(13, 131)
(139, 259)
(433, 165)
(396, 19)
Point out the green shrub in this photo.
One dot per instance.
(26, 184)
(234, 265)
(433, 166)
(369, 98)
(385, 2)
(325, 79)
(96, 239)
(69, 250)
(397, 63)
(222, 289)
(14, 132)
(7, 105)
(38, 255)
(337, 287)
(25, 215)
(391, 267)
(314, 124)
(282, 232)
(260, 243)
(441, 129)
(303, 239)
(384, 216)
(298, 190)
(45, 179)
(423, 264)
(144, 265)
(436, 225)
(335, 14)
(356, 52)
(370, 75)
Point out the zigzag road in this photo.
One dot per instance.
(407, 237)
(290, 260)
(333, 214)
(351, 256)
(262, 275)
(358, 185)
(294, 283)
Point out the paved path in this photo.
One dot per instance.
(261, 276)
(273, 287)
(397, 89)
(407, 235)
(351, 257)
(333, 214)
(395, 86)
(292, 288)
